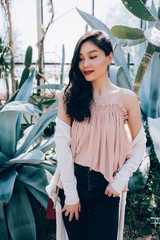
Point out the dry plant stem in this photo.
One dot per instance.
(143, 66)
(41, 45)
(5, 6)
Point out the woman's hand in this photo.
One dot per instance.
(111, 192)
(71, 210)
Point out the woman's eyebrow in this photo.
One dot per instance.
(92, 51)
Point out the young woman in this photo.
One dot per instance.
(95, 156)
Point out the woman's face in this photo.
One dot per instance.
(93, 62)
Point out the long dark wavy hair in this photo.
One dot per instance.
(78, 95)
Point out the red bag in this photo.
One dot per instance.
(51, 213)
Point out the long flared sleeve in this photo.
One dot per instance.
(132, 163)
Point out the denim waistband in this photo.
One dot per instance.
(89, 178)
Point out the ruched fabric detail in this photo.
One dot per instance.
(102, 143)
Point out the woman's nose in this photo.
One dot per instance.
(86, 63)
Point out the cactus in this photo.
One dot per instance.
(138, 9)
(27, 62)
(143, 66)
(125, 32)
(28, 57)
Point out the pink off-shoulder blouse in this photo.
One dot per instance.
(102, 143)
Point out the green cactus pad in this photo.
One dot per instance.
(124, 32)
(137, 8)
(28, 57)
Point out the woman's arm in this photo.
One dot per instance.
(65, 161)
(130, 101)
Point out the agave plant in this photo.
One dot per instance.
(24, 173)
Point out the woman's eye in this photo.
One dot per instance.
(93, 57)
(80, 59)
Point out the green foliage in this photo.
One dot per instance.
(159, 13)
(4, 54)
(138, 9)
(27, 62)
(24, 173)
(151, 35)
(144, 204)
(28, 57)
(125, 32)
(25, 75)
(4, 64)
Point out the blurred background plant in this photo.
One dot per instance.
(4, 65)
(6, 7)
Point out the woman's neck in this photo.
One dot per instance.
(102, 90)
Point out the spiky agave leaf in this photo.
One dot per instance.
(8, 122)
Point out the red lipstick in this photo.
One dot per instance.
(88, 72)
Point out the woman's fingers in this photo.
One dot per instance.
(70, 210)
(79, 207)
(66, 213)
(64, 208)
(70, 216)
(77, 214)
(111, 192)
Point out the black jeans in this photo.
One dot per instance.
(98, 219)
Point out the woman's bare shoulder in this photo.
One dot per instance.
(128, 98)
(62, 110)
(61, 93)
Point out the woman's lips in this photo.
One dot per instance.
(88, 72)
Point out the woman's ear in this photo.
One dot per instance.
(110, 58)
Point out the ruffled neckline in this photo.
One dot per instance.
(110, 104)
